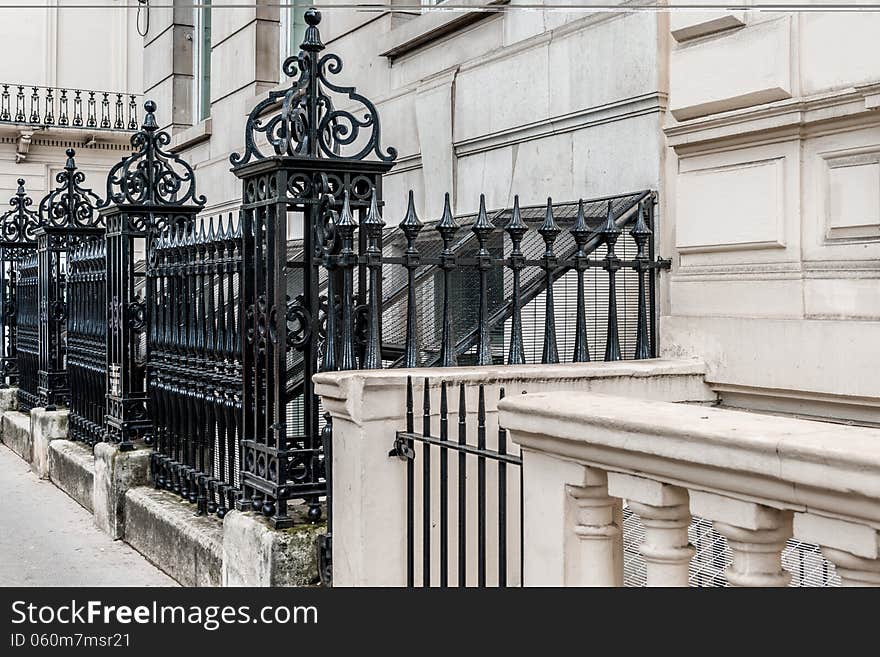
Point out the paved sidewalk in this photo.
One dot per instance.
(47, 539)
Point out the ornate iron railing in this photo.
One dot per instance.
(469, 455)
(27, 336)
(47, 107)
(67, 216)
(194, 370)
(87, 340)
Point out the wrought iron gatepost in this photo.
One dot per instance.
(18, 241)
(146, 192)
(67, 217)
(311, 181)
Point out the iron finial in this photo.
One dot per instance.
(580, 231)
(516, 227)
(70, 165)
(312, 39)
(549, 230)
(610, 227)
(482, 227)
(447, 226)
(150, 124)
(411, 225)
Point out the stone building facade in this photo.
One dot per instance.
(772, 189)
(58, 48)
(760, 137)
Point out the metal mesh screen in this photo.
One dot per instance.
(803, 560)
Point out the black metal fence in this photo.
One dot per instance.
(27, 335)
(87, 340)
(468, 525)
(194, 371)
(201, 338)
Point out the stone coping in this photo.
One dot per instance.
(164, 528)
(803, 464)
(348, 387)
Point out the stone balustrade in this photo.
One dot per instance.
(369, 487)
(759, 479)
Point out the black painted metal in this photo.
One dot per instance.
(310, 180)
(494, 507)
(87, 340)
(148, 192)
(67, 108)
(194, 369)
(27, 337)
(18, 244)
(68, 216)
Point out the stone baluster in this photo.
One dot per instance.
(664, 513)
(598, 559)
(756, 535)
(853, 548)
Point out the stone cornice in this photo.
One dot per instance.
(788, 119)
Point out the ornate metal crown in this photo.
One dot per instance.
(309, 125)
(150, 175)
(70, 205)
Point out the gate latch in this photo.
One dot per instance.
(402, 450)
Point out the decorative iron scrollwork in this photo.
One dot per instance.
(58, 311)
(137, 318)
(70, 205)
(151, 175)
(18, 225)
(299, 324)
(308, 124)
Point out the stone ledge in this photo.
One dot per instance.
(164, 528)
(255, 554)
(72, 469)
(17, 434)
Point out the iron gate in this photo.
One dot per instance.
(485, 544)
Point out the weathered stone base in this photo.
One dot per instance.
(72, 469)
(17, 434)
(46, 426)
(8, 399)
(115, 473)
(254, 554)
(164, 528)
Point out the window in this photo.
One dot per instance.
(202, 63)
(293, 28)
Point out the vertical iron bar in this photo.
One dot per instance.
(411, 226)
(549, 231)
(516, 229)
(502, 504)
(581, 234)
(483, 228)
(481, 489)
(410, 490)
(426, 488)
(610, 232)
(444, 489)
(462, 488)
(447, 229)
(640, 234)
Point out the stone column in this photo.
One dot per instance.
(756, 535)
(597, 559)
(854, 549)
(663, 511)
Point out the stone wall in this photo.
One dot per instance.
(773, 187)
